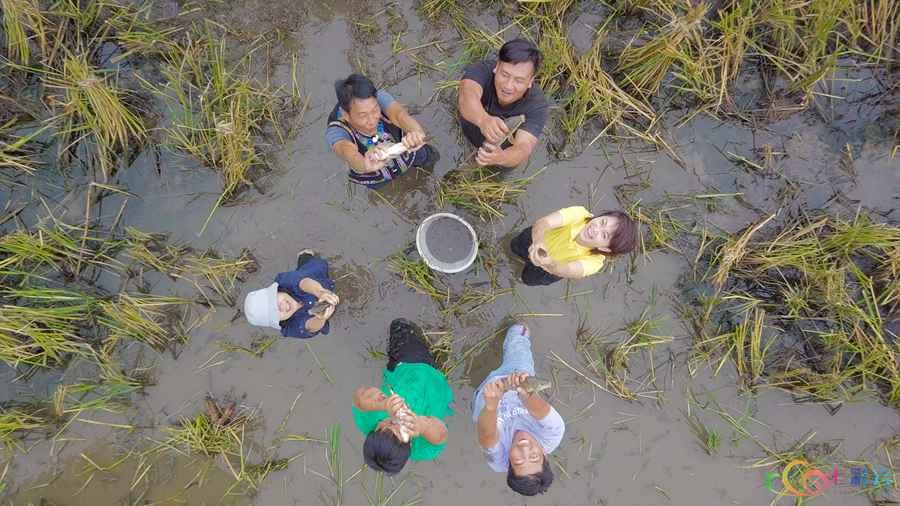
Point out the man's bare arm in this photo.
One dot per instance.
(469, 102)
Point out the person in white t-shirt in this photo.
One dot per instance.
(517, 430)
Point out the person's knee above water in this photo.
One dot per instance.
(366, 120)
(299, 302)
(404, 419)
(572, 243)
(492, 91)
(517, 430)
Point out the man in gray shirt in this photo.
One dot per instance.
(517, 430)
(363, 122)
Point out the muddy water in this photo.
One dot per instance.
(615, 452)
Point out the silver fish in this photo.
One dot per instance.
(395, 150)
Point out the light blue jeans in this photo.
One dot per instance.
(517, 357)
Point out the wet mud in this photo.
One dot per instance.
(615, 452)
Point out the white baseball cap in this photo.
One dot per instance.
(261, 307)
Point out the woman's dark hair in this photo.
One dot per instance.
(384, 452)
(519, 51)
(355, 86)
(623, 238)
(531, 484)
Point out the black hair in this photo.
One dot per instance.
(531, 484)
(519, 51)
(356, 86)
(384, 452)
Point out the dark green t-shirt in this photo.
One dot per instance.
(426, 392)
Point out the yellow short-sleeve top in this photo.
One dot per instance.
(561, 245)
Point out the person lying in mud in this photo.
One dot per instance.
(572, 243)
(517, 428)
(299, 302)
(492, 91)
(362, 127)
(404, 419)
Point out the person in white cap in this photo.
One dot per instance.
(286, 303)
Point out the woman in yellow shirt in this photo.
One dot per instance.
(572, 243)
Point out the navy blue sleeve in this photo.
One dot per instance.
(536, 115)
(290, 281)
(317, 269)
(480, 72)
(295, 326)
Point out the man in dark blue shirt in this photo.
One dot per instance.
(286, 303)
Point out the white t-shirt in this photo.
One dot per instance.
(513, 416)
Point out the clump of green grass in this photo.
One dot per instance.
(477, 42)
(552, 40)
(827, 284)
(219, 430)
(888, 281)
(611, 361)
(482, 191)
(221, 274)
(873, 26)
(138, 35)
(94, 111)
(69, 401)
(644, 67)
(14, 423)
(15, 151)
(661, 225)
(434, 9)
(145, 318)
(735, 25)
(418, 276)
(219, 110)
(743, 345)
(154, 252)
(592, 93)
(334, 458)
(19, 18)
(734, 251)
(472, 300)
(181, 262)
(257, 347)
(43, 327)
(57, 246)
(440, 344)
(803, 41)
(709, 439)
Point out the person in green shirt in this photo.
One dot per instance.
(404, 419)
